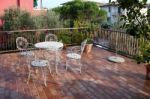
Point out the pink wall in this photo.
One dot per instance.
(23, 4)
(26, 5)
(6, 4)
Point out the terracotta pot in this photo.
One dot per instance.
(147, 71)
(88, 48)
(66, 45)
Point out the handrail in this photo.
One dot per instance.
(127, 44)
(68, 35)
(33, 30)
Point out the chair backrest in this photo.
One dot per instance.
(51, 37)
(83, 45)
(21, 43)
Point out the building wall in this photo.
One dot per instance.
(112, 13)
(4, 4)
(23, 4)
(26, 5)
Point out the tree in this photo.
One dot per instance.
(135, 21)
(137, 24)
(48, 20)
(80, 12)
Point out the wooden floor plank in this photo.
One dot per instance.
(100, 79)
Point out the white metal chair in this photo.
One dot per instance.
(35, 64)
(51, 37)
(22, 45)
(75, 54)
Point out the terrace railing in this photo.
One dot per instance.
(125, 43)
(67, 35)
(117, 40)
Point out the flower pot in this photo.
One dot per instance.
(88, 48)
(147, 71)
(66, 45)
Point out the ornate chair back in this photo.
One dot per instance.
(51, 37)
(21, 43)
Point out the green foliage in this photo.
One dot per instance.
(77, 37)
(53, 19)
(65, 37)
(106, 25)
(16, 19)
(82, 12)
(135, 21)
(137, 24)
(89, 40)
(57, 9)
(144, 55)
(72, 36)
(49, 20)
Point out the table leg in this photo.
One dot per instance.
(44, 76)
(56, 61)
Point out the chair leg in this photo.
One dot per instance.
(56, 67)
(49, 67)
(44, 76)
(80, 66)
(67, 65)
(56, 61)
(18, 64)
(28, 66)
(80, 69)
(29, 76)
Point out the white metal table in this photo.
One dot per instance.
(50, 45)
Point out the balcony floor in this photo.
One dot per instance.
(100, 79)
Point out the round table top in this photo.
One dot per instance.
(49, 45)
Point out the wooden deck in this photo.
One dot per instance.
(100, 79)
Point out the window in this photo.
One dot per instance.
(119, 10)
(35, 3)
(108, 19)
(109, 8)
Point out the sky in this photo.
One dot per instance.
(55, 3)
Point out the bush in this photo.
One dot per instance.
(16, 19)
(74, 37)
(50, 20)
(65, 37)
(106, 26)
(77, 37)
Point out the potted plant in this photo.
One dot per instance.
(147, 71)
(144, 56)
(89, 45)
